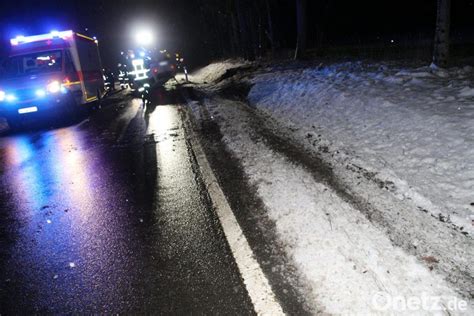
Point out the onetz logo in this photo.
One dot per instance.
(385, 302)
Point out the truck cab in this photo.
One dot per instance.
(49, 73)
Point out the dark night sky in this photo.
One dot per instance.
(180, 26)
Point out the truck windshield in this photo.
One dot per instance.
(30, 64)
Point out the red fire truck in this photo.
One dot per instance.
(49, 73)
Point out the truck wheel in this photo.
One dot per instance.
(97, 104)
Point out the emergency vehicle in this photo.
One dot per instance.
(142, 67)
(50, 73)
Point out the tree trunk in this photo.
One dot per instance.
(323, 24)
(301, 28)
(244, 29)
(441, 43)
(235, 40)
(271, 36)
(253, 20)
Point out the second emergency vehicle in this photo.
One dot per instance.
(144, 67)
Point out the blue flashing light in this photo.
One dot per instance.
(52, 35)
(17, 40)
(142, 54)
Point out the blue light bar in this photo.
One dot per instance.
(43, 37)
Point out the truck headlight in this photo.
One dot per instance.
(10, 97)
(53, 87)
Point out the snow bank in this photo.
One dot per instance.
(348, 262)
(398, 139)
(214, 71)
(413, 127)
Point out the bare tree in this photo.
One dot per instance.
(269, 32)
(245, 29)
(301, 28)
(235, 40)
(323, 19)
(441, 42)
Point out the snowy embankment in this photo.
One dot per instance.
(214, 72)
(412, 127)
(397, 140)
(351, 266)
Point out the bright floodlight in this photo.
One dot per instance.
(144, 37)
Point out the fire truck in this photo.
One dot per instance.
(144, 68)
(55, 72)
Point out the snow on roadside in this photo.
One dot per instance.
(347, 261)
(413, 127)
(214, 71)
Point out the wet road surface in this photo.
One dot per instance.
(109, 216)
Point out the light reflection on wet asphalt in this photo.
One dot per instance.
(109, 217)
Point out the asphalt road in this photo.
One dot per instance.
(107, 214)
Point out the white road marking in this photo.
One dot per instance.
(258, 287)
